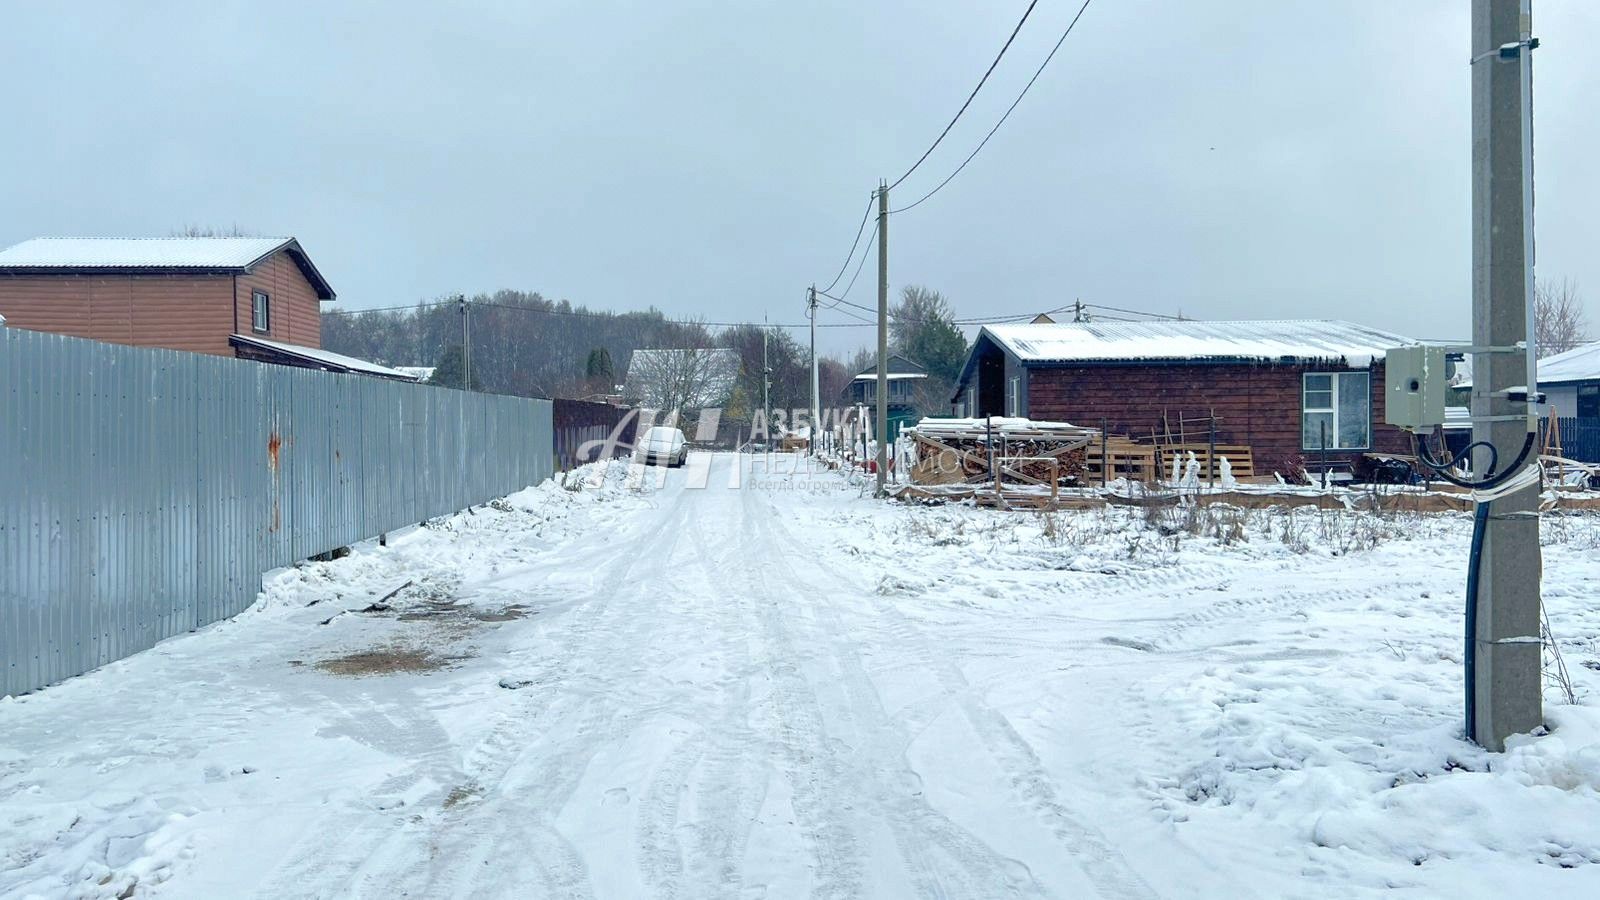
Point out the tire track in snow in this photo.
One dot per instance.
(525, 780)
(358, 864)
(1025, 773)
(732, 786)
(943, 858)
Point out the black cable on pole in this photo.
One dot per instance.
(974, 93)
(1003, 118)
(1135, 312)
(853, 244)
(859, 266)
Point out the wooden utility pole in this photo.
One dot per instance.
(1504, 689)
(883, 334)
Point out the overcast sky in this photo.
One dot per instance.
(1226, 159)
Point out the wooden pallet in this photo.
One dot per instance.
(1136, 462)
(1238, 456)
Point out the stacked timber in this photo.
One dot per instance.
(1022, 451)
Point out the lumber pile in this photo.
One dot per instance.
(1021, 451)
(1125, 458)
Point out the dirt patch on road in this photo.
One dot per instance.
(389, 661)
(504, 614)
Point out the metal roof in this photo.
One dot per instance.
(326, 359)
(1578, 364)
(140, 253)
(61, 255)
(1308, 340)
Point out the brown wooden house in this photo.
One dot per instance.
(1293, 391)
(182, 293)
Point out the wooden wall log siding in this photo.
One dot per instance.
(296, 316)
(180, 312)
(1257, 405)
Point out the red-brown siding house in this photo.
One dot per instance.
(256, 298)
(1276, 386)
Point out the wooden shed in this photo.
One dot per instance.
(1292, 391)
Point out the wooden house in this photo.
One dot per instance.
(1295, 392)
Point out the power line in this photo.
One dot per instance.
(585, 314)
(970, 96)
(853, 244)
(859, 266)
(1003, 118)
(1135, 312)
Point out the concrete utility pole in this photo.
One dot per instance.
(466, 345)
(766, 382)
(816, 401)
(883, 334)
(1505, 692)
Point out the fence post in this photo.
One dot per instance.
(1323, 427)
(1211, 449)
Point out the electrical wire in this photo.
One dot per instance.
(859, 266)
(1135, 312)
(1491, 480)
(1027, 12)
(594, 315)
(851, 255)
(1003, 117)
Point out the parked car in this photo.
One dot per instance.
(662, 445)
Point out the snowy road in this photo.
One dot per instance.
(744, 683)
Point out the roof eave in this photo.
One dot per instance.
(307, 267)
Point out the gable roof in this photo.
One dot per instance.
(899, 367)
(1578, 364)
(321, 359)
(1303, 340)
(1266, 341)
(196, 255)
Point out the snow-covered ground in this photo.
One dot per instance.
(666, 686)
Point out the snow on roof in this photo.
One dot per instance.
(1268, 341)
(1578, 364)
(892, 376)
(139, 253)
(337, 361)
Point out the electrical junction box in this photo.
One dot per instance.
(1414, 382)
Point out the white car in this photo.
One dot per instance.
(662, 445)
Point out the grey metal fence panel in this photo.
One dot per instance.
(144, 492)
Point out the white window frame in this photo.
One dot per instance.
(260, 312)
(1014, 396)
(1334, 378)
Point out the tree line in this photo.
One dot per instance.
(526, 345)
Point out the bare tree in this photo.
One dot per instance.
(683, 379)
(1559, 322)
(209, 231)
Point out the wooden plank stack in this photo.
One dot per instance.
(1237, 455)
(957, 451)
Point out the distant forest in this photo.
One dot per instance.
(526, 345)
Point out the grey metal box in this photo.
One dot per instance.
(1414, 380)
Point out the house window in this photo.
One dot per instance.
(1337, 405)
(1014, 397)
(260, 312)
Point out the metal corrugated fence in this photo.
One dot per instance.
(143, 491)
